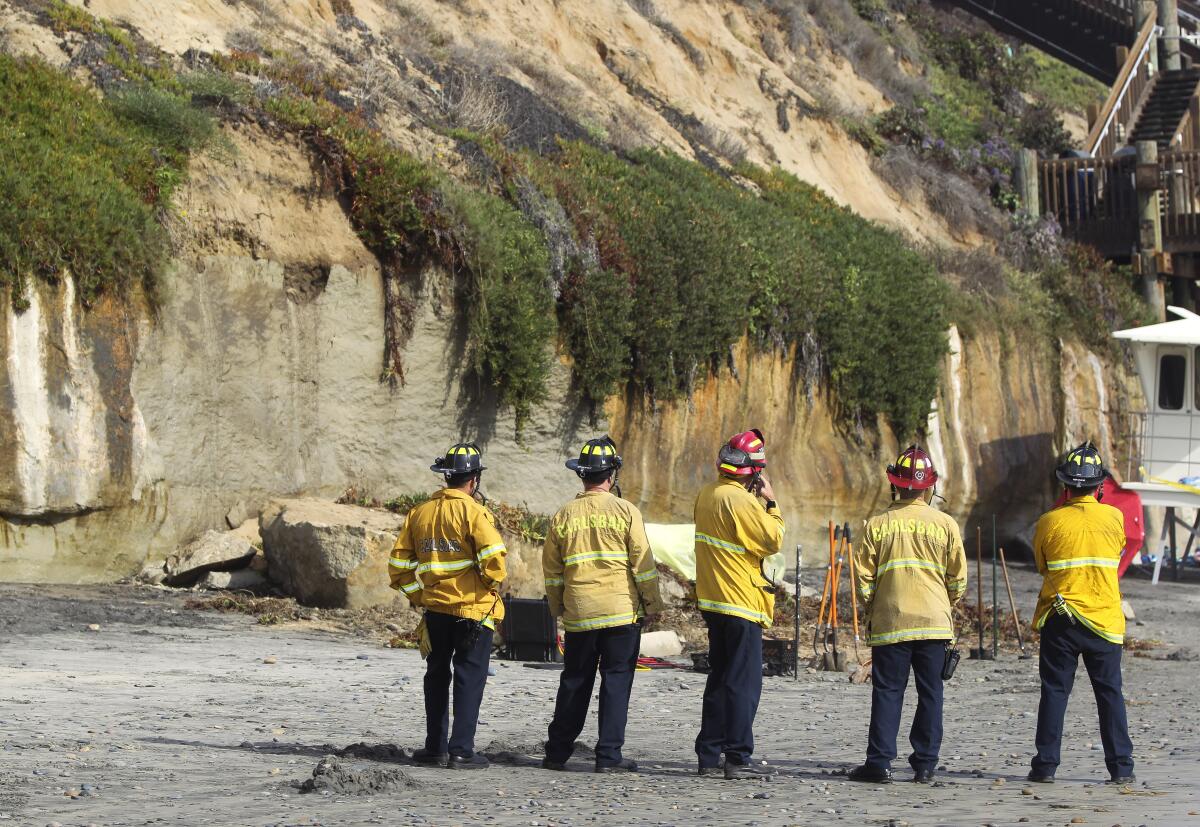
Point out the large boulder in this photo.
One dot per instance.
(211, 551)
(329, 555)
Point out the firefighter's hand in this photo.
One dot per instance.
(764, 489)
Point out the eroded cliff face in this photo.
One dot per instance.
(127, 432)
(1006, 407)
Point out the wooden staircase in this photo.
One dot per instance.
(1082, 33)
(1165, 108)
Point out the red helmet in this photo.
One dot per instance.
(913, 469)
(744, 454)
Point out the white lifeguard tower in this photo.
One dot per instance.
(1167, 357)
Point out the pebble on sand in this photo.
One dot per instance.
(270, 659)
(93, 627)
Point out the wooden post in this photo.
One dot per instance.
(1193, 141)
(1142, 10)
(1149, 226)
(1168, 18)
(1093, 115)
(1025, 178)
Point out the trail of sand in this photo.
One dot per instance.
(174, 718)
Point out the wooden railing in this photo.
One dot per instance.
(1128, 95)
(1188, 134)
(1093, 199)
(1179, 199)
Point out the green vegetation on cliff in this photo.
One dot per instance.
(85, 178)
(646, 267)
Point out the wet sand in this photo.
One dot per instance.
(170, 716)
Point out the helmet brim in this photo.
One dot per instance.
(441, 469)
(573, 464)
(1079, 482)
(911, 484)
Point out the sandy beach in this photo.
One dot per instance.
(166, 715)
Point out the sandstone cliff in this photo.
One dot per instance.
(127, 431)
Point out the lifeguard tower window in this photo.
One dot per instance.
(1172, 381)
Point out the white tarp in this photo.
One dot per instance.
(674, 544)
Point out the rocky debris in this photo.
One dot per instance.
(674, 591)
(332, 777)
(211, 551)
(661, 644)
(239, 515)
(248, 531)
(152, 574)
(329, 555)
(241, 580)
(1183, 655)
(1127, 610)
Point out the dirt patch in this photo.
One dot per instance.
(527, 753)
(374, 752)
(332, 777)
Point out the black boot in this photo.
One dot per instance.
(425, 756)
(624, 765)
(870, 775)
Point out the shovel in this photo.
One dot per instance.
(835, 660)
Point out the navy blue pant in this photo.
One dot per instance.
(1062, 644)
(614, 651)
(450, 639)
(890, 666)
(732, 691)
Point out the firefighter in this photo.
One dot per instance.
(1077, 548)
(601, 580)
(449, 561)
(734, 534)
(910, 570)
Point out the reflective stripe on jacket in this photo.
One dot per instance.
(449, 558)
(734, 533)
(597, 564)
(1077, 548)
(910, 569)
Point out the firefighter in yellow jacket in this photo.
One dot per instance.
(449, 561)
(911, 568)
(601, 580)
(1077, 548)
(734, 534)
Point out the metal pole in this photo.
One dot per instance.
(796, 631)
(995, 597)
(979, 583)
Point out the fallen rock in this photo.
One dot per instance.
(248, 531)
(663, 644)
(211, 551)
(240, 580)
(673, 590)
(1127, 610)
(333, 776)
(152, 573)
(329, 555)
(239, 514)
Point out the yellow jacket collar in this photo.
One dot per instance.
(452, 493)
(1084, 498)
(906, 503)
(591, 494)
